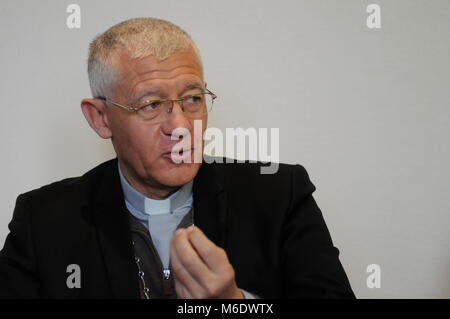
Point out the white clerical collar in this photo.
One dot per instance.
(149, 206)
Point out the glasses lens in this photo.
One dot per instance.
(209, 101)
(194, 106)
(154, 109)
(197, 105)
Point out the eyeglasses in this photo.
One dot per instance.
(193, 106)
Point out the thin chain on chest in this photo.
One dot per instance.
(141, 273)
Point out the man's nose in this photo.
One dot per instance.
(175, 118)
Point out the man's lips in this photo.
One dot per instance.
(178, 155)
(178, 151)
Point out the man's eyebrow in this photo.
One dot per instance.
(148, 92)
(155, 92)
(195, 85)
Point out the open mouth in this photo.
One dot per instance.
(181, 152)
(182, 155)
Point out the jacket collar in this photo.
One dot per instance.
(210, 203)
(113, 231)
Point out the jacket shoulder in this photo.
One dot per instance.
(59, 192)
(256, 168)
(254, 176)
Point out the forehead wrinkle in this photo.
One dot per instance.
(148, 88)
(135, 71)
(164, 76)
(165, 70)
(133, 83)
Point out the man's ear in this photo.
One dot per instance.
(94, 112)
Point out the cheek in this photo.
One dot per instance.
(135, 140)
(145, 142)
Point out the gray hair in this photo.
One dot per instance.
(140, 37)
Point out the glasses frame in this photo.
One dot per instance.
(169, 110)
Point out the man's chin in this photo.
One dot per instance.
(179, 174)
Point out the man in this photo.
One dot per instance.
(126, 229)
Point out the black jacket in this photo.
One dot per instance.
(269, 225)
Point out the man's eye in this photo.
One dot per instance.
(152, 105)
(194, 99)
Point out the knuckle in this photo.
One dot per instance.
(222, 253)
(228, 278)
(214, 290)
(228, 275)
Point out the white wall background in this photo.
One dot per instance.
(367, 112)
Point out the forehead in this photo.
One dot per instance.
(177, 70)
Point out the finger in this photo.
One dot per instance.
(180, 289)
(184, 277)
(214, 257)
(188, 258)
